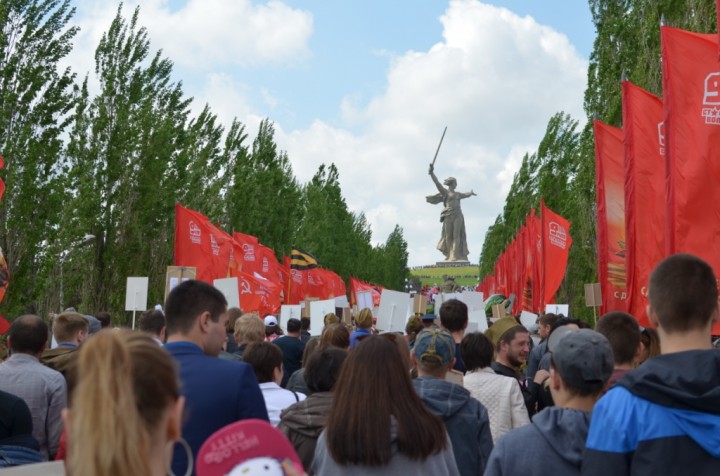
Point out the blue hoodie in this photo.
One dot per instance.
(552, 444)
(466, 420)
(661, 418)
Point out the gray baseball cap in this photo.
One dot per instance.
(583, 358)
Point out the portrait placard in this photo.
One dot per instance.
(478, 319)
(318, 309)
(558, 309)
(136, 295)
(229, 288)
(393, 312)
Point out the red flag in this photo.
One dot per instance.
(4, 324)
(201, 244)
(691, 85)
(246, 252)
(534, 228)
(610, 201)
(258, 294)
(528, 262)
(556, 242)
(325, 284)
(717, 22)
(644, 192)
(298, 287)
(356, 286)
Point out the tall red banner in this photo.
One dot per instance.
(691, 85)
(644, 192)
(556, 242)
(610, 202)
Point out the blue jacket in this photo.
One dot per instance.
(466, 420)
(354, 341)
(661, 418)
(552, 444)
(217, 392)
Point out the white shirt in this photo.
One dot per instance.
(277, 399)
(501, 396)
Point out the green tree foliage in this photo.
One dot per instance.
(394, 260)
(342, 239)
(35, 98)
(263, 197)
(121, 148)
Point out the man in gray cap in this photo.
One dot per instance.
(581, 364)
(465, 418)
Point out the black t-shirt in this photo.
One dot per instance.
(292, 349)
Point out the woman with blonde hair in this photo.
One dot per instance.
(363, 324)
(125, 412)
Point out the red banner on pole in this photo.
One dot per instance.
(644, 193)
(691, 85)
(556, 242)
(610, 201)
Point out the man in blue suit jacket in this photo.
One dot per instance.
(217, 392)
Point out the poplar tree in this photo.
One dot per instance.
(35, 98)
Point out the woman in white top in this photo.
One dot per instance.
(267, 359)
(501, 395)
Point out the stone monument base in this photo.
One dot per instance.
(451, 264)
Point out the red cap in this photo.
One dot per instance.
(252, 443)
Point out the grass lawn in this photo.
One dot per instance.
(464, 276)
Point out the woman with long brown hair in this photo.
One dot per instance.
(378, 424)
(125, 412)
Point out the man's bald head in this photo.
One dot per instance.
(28, 335)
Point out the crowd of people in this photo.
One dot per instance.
(82, 400)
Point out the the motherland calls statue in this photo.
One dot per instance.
(453, 242)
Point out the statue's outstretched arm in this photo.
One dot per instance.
(467, 194)
(440, 188)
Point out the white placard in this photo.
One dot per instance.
(528, 320)
(341, 301)
(318, 309)
(478, 318)
(393, 311)
(364, 300)
(290, 312)
(440, 298)
(136, 296)
(229, 288)
(558, 309)
(473, 299)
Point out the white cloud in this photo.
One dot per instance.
(495, 80)
(203, 34)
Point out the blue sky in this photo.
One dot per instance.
(369, 85)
